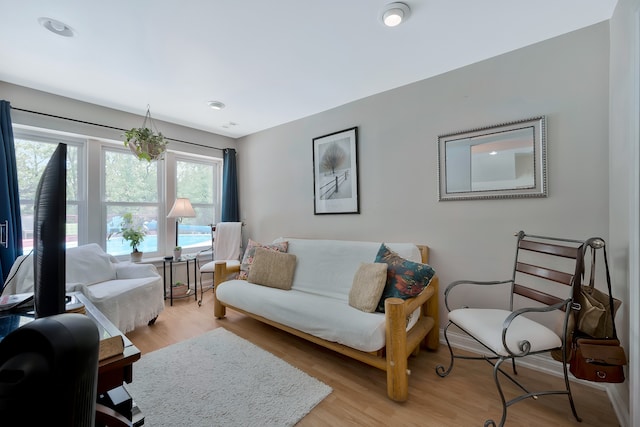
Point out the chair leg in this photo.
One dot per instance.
(505, 404)
(568, 386)
(496, 372)
(440, 370)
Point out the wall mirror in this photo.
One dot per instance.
(507, 160)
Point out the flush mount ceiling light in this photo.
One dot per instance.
(394, 14)
(216, 105)
(56, 27)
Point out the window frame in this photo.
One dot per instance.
(172, 159)
(80, 144)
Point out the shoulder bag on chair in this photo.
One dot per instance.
(597, 354)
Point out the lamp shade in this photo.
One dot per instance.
(182, 209)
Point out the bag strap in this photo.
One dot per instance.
(593, 267)
(597, 243)
(578, 277)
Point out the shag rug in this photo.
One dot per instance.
(220, 379)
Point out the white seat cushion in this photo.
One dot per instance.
(485, 325)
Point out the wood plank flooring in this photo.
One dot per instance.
(467, 397)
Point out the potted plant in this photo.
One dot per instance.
(179, 289)
(145, 144)
(133, 234)
(177, 253)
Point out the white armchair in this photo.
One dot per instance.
(128, 294)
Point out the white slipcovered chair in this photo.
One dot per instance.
(128, 294)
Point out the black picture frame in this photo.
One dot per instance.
(335, 173)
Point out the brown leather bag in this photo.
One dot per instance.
(596, 314)
(598, 360)
(603, 359)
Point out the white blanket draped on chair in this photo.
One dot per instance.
(228, 240)
(227, 245)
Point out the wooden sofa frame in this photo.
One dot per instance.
(400, 343)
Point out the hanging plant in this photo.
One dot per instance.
(144, 142)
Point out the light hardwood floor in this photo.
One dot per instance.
(465, 398)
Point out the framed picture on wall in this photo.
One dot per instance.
(335, 173)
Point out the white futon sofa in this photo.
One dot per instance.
(317, 308)
(128, 294)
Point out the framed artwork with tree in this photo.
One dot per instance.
(335, 173)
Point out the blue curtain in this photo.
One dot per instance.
(230, 211)
(9, 196)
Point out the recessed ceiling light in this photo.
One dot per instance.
(56, 27)
(216, 105)
(394, 14)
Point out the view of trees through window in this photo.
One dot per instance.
(32, 156)
(130, 186)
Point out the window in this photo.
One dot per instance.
(105, 182)
(33, 152)
(197, 180)
(130, 186)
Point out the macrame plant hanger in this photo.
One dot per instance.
(146, 143)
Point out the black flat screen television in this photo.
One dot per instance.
(49, 236)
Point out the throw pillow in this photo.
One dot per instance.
(249, 253)
(367, 287)
(272, 268)
(405, 279)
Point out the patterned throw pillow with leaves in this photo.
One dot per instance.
(405, 279)
(250, 252)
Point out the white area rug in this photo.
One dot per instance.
(220, 379)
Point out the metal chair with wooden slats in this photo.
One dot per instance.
(538, 319)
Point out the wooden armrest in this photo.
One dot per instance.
(421, 298)
(232, 269)
(222, 272)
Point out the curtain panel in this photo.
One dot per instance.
(9, 195)
(230, 210)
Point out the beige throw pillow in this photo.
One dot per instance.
(273, 269)
(367, 287)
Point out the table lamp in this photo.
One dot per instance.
(181, 209)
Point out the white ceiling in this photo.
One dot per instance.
(270, 62)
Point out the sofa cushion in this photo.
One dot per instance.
(272, 268)
(324, 317)
(405, 279)
(367, 287)
(88, 264)
(327, 267)
(249, 253)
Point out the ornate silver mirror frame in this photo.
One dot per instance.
(494, 162)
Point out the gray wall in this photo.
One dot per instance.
(565, 78)
(624, 188)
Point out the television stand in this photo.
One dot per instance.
(114, 371)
